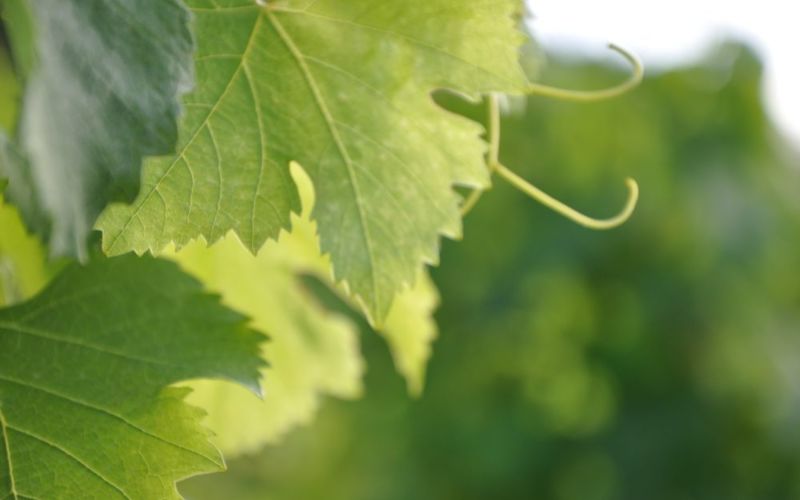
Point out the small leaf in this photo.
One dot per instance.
(410, 329)
(85, 410)
(344, 88)
(101, 93)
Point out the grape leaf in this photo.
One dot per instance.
(409, 327)
(102, 92)
(312, 352)
(85, 410)
(344, 88)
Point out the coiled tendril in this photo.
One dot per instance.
(534, 192)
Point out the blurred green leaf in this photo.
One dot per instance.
(117, 70)
(311, 352)
(410, 330)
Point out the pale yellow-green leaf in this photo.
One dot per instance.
(311, 352)
(23, 267)
(410, 329)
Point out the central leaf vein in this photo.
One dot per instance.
(341, 148)
(54, 337)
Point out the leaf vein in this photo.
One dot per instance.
(42, 334)
(261, 155)
(105, 411)
(399, 160)
(4, 427)
(330, 122)
(70, 455)
(191, 140)
(218, 164)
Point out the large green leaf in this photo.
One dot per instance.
(85, 410)
(102, 92)
(344, 88)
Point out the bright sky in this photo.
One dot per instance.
(664, 33)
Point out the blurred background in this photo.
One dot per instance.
(660, 360)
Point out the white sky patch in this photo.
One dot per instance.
(679, 31)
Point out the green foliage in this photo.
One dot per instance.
(85, 410)
(101, 86)
(655, 362)
(343, 88)
(312, 350)
(564, 338)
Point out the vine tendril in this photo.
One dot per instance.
(595, 95)
(567, 211)
(534, 192)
